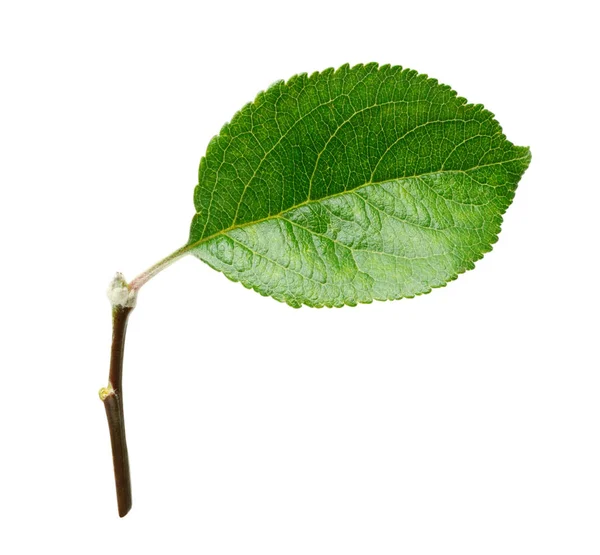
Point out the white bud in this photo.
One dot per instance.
(119, 293)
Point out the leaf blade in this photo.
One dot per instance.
(349, 196)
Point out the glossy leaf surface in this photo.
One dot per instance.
(348, 186)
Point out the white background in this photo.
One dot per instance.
(466, 421)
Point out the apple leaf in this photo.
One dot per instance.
(343, 187)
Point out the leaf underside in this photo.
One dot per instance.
(367, 183)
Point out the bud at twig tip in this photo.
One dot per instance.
(119, 293)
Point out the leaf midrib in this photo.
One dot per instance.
(191, 246)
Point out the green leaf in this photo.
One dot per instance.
(348, 186)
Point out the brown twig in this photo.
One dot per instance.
(123, 297)
(112, 397)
